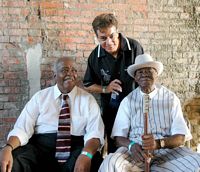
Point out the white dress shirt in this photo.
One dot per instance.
(41, 115)
(165, 117)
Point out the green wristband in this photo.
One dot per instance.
(87, 154)
(130, 145)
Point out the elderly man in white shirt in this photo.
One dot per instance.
(166, 132)
(31, 145)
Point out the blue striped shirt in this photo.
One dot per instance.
(165, 115)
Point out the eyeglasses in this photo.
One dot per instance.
(103, 39)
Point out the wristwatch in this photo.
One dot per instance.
(104, 89)
(162, 143)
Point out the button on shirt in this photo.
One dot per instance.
(165, 116)
(41, 114)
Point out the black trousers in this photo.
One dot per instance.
(39, 155)
(108, 117)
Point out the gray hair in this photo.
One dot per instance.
(57, 62)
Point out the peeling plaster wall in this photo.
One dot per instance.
(33, 58)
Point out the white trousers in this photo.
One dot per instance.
(180, 159)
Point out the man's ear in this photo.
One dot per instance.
(134, 78)
(55, 77)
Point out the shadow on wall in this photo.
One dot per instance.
(192, 110)
(197, 86)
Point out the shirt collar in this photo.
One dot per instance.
(125, 45)
(151, 94)
(71, 94)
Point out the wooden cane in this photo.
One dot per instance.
(146, 111)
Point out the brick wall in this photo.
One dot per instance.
(38, 32)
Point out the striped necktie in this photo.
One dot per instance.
(63, 141)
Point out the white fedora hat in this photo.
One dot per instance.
(142, 61)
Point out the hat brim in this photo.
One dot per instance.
(155, 64)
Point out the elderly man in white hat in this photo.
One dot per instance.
(166, 132)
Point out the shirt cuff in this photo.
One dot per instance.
(23, 138)
(86, 138)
